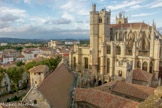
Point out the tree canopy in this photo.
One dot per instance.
(1, 74)
(51, 63)
(15, 75)
(19, 63)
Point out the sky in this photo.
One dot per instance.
(68, 19)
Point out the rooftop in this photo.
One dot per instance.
(141, 75)
(102, 99)
(125, 88)
(39, 68)
(57, 87)
(128, 25)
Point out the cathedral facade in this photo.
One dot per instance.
(116, 49)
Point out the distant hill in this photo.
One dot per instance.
(17, 40)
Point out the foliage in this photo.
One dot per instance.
(51, 63)
(31, 47)
(15, 75)
(84, 41)
(11, 47)
(20, 63)
(30, 65)
(25, 84)
(1, 74)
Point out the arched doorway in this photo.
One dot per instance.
(99, 82)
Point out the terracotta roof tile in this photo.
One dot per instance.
(39, 68)
(130, 89)
(102, 99)
(57, 87)
(134, 90)
(141, 75)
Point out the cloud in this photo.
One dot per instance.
(142, 14)
(3, 25)
(79, 21)
(160, 29)
(8, 18)
(125, 4)
(60, 21)
(63, 21)
(136, 7)
(67, 16)
(39, 32)
(38, 19)
(27, 1)
(157, 5)
(80, 7)
(12, 11)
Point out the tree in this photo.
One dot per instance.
(15, 75)
(30, 65)
(1, 75)
(51, 63)
(19, 63)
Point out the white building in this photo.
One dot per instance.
(7, 59)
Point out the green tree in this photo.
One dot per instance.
(1, 74)
(15, 75)
(51, 63)
(19, 63)
(30, 65)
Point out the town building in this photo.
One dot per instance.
(55, 91)
(55, 43)
(92, 98)
(134, 92)
(7, 59)
(38, 74)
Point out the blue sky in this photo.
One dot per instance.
(65, 19)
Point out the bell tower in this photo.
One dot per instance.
(121, 19)
(99, 34)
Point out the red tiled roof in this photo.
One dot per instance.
(141, 75)
(134, 90)
(20, 56)
(105, 87)
(102, 99)
(39, 68)
(65, 55)
(57, 87)
(125, 88)
(128, 25)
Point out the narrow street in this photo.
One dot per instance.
(20, 93)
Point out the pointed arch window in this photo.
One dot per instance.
(144, 67)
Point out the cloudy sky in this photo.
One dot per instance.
(66, 19)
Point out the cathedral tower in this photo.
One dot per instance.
(121, 19)
(99, 34)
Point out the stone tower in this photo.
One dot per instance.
(123, 71)
(121, 19)
(38, 74)
(99, 34)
